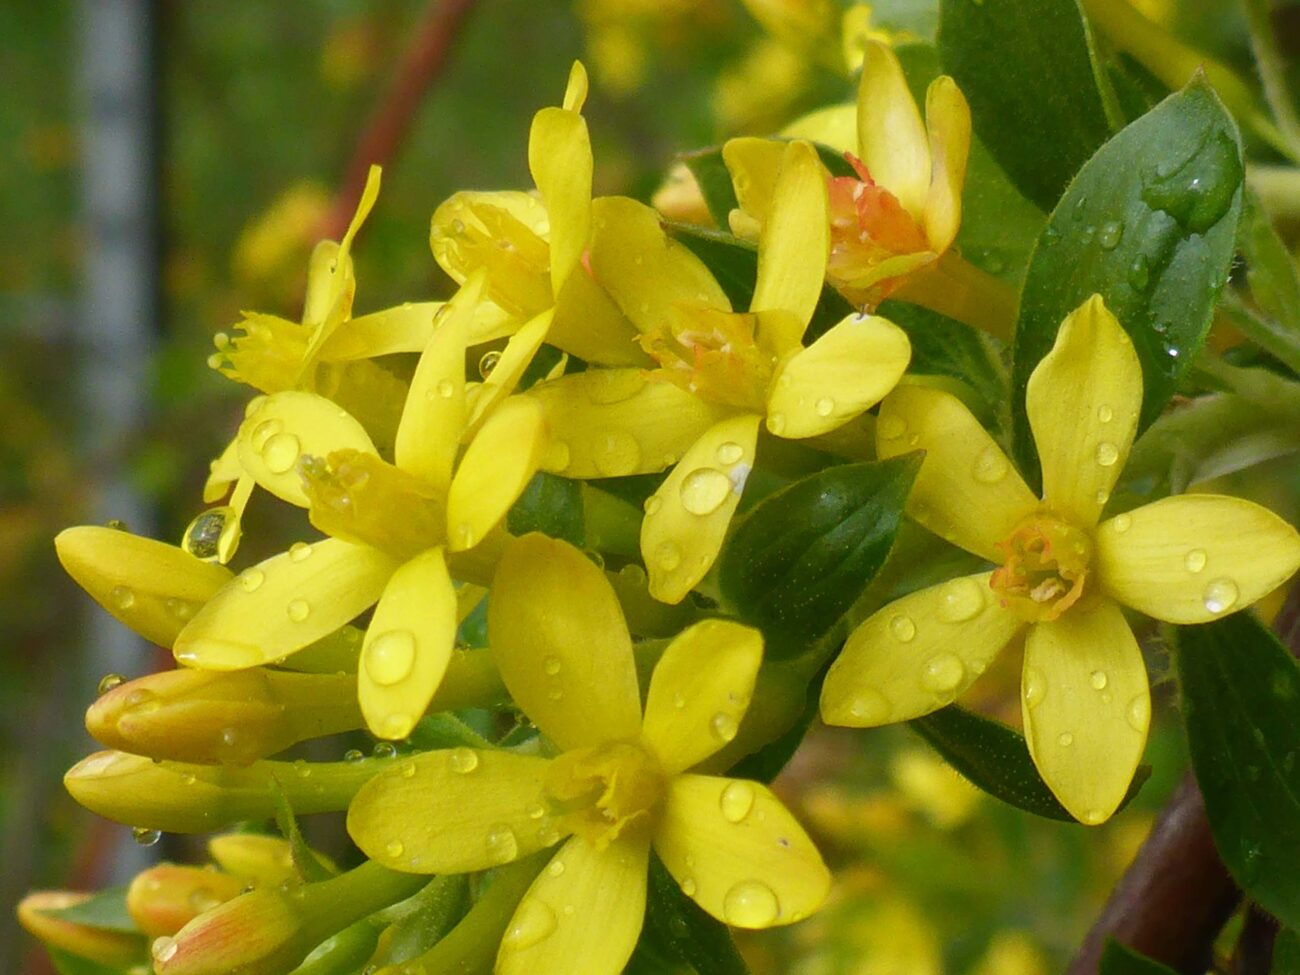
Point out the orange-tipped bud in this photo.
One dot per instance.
(166, 897)
(222, 718)
(105, 945)
(256, 859)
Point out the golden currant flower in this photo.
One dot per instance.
(1062, 577)
(619, 786)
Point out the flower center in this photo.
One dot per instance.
(1045, 565)
(713, 355)
(265, 352)
(470, 233)
(600, 792)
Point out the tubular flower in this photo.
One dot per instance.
(531, 249)
(901, 208)
(1062, 576)
(620, 785)
(720, 373)
(392, 525)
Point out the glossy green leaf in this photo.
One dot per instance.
(681, 930)
(714, 180)
(1118, 959)
(1241, 707)
(550, 505)
(1286, 953)
(1274, 285)
(1149, 224)
(1031, 76)
(801, 557)
(996, 758)
(106, 910)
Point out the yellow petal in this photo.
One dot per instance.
(497, 466)
(152, 587)
(406, 328)
(509, 369)
(645, 272)
(1087, 707)
(793, 247)
(947, 117)
(738, 853)
(615, 422)
(1194, 558)
(222, 472)
(699, 692)
(283, 604)
(575, 91)
(453, 811)
(894, 143)
(285, 427)
(754, 165)
(559, 157)
(1083, 400)
(687, 518)
(917, 654)
(836, 126)
(843, 372)
(408, 645)
(589, 325)
(583, 912)
(557, 633)
(967, 491)
(434, 415)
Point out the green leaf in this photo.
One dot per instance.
(714, 179)
(1118, 959)
(1274, 284)
(551, 505)
(1149, 224)
(66, 963)
(995, 758)
(105, 910)
(1031, 76)
(680, 929)
(1241, 706)
(1286, 953)
(801, 557)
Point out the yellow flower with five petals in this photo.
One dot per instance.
(619, 787)
(1063, 574)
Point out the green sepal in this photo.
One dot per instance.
(105, 910)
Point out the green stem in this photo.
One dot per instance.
(1274, 394)
(1272, 70)
(1278, 188)
(954, 287)
(1268, 334)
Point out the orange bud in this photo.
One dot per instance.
(162, 899)
(104, 945)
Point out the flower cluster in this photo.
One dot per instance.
(615, 360)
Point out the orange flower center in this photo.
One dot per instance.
(1045, 565)
(600, 792)
(713, 355)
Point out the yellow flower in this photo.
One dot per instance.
(619, 786)
(902, 209)
(1062, 578)
(721, 373)
(392, 525)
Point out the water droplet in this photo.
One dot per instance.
(396, 725)
(1098, 680)
(1065, 739)
(123, 597)
(390, 657)
(462, 760)
(145, 836)
(750, 904)
(1110, 235)
(943, 673)
(555, 868)
(250, 580)
(868, 708)
(736, 801)
(164, 949)
(281, 452)
(555, 693)
(110, 681)
(1221, 595)
(704, 490)
(729, 453)
(445, 388)
(1102, 497)
(299, 552)
(1139, 713)
(536, 811)
(204, 535)
(688, 886)
(353, 755)
(961, 600)
(407, 770)
(1195, 560)
(891, 426)
(1094, 816)
(263, 432)
(179, 608)
(902, 628)
(668, 556)
(776, 423)
(825, 406)
(384, 749)
(502, 846)
(990, 466)
(532, 922)
(1122, 523)
(723, 726)
(488, 363)
(1105, 414)
(1107, 454)
(298, 610)
(617, 454)
(1035, 687)
(394, 849)
(1139, 273)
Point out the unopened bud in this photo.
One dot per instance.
(104, 945)
(262, 861)
(231, 718)
(166, 897)
(679, 197)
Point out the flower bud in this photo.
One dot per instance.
(257, 859)
(229, 718)
(104, 945)
(162, 899)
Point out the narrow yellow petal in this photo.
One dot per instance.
(283, 604)
(557, 633)
(407, 646)
(947, 117)
(793, 247)
(1087, 707)
(1083, 400)
(738, 853)
(434, 415)
(699, 692)
(1195, 558)
(405, 328)
(844, 372)
(285, 427)
(917, 654)
(836, 126)
(453, 811)
(754, 165)
(967, 491)
(687, 518)
(645, 272)
(559, 157)
(152, 587)
(509, 369)
(497, 466)
(894, 143)
(583, 912)
(575, 91)
(222, 472)
(616, 422)
(591, 326)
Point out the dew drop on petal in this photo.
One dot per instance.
(110, 681)
(825, 406)
(617, 454)
(1195, 560)
(960, 600)
(652, 504)
(1107, 454)
(1139, 713)
(1035, 687)
(1094, 816)
(353, 755)
(1065, 739)
(552, 665)
(1099, 680)
(281, 452)
(943, 673)
(750, 904)
(869, 707)
(723, 726)
(394, 849)
(145, 836)
(407, 770)
(299, 552)
(263, 432)
(298, 610)
(704, 490)
(736, 801)
(462, 760)
(728, 453)
(689, 886)
(902, 628)
(502, 846)
(990, 466)
(488, 363)
(250, 580)
(1221, 595)
(555, 868)
(532, 922)
(1122, 523)
(1105, 414)
(164, 949)
(123, 597)
(446, 388)
(668, 556)
(776, 423)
